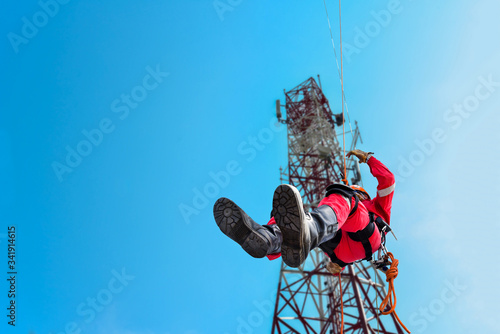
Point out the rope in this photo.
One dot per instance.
(338, 68)
(342, 83)
(390, 299)
(341, 307)
(376, 299)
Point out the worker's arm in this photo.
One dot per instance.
(386, 182)
(385, 188)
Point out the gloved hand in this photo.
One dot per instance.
(362, 156)
(333, 268)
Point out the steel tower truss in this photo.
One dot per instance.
(308, 298)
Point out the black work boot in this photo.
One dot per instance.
(257, 240)
(302, 231)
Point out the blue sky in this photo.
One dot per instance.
(110, 226)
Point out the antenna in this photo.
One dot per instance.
(278, 110)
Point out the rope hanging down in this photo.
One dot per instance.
(390, 299)
(338, 69)
(342, 84)
(341, 307)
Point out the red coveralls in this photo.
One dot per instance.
(349, 250)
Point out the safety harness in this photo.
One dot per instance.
(362, 236)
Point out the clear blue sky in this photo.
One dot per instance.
(177, 92)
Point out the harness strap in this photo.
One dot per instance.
(353, 211)
(382, 226)
(328, 248)
(336, 260)
(331, 244)
(363, 236)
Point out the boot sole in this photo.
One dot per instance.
(288, 214)
(232, 221)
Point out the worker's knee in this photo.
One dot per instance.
(341, 200)
(343, 191)
(340, 206)
(337, 200)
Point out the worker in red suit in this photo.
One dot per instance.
(345, 225)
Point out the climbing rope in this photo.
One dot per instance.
(341, 307)
(390, 299)
(342, 84)
(338, 68)
(376, 298)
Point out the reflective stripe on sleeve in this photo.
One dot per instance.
(386, 191)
